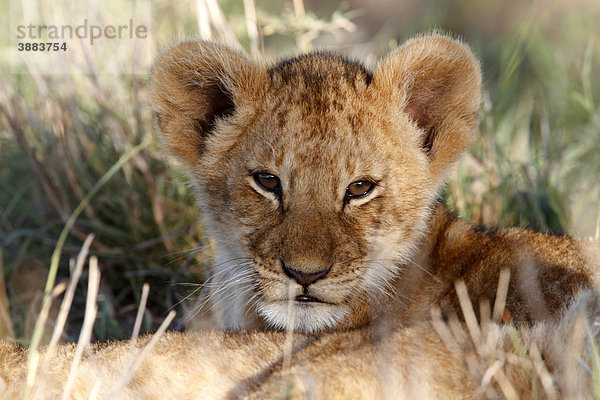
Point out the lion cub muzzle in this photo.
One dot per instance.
(304, 279)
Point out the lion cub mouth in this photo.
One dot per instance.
(304, 298)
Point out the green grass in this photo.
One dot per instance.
(535, 162)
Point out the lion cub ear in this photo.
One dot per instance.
(194, 85)
(437, 81)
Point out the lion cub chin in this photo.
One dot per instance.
(318, 179)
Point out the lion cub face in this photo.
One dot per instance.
(315, 176)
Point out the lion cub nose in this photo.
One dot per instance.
(303, 278)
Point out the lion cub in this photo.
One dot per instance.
(319, 180)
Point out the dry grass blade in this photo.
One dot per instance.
(95, 391)
(252, 27)
(124, 380)
(6, 327)
(542, 372)
(68, 298)
(33, 359)
(88, 323)
(140, 314)
(594, 352)
(289, 335)
(299, 8)
(468, 312)
(501, 294)
(490, 372)
(597, 230)
(484, 312)
(220, 22)
(441, 328)
(203, 20)
(136, 331)
(505, 386)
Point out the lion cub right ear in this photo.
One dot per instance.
(436, 81)
(194, 85)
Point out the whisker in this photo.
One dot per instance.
(199, 288)
(230, 260)
(426, 271)
(396, 262)
(222, 287)
(240, 278)
(383, 286)
(210, 284)
(188, 284)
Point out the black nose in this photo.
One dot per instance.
(304, 278)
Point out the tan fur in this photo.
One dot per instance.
(319, 123)
(422, 361)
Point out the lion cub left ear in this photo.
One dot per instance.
(196, 84)
(436, 80)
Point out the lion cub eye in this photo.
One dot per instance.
(359, 189)
(268, 182)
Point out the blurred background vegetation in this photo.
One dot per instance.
(535, 163)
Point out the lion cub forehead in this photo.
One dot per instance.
(316, 116)
(318, 69)
(318, 97)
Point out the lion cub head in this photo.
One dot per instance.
(314, 176)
